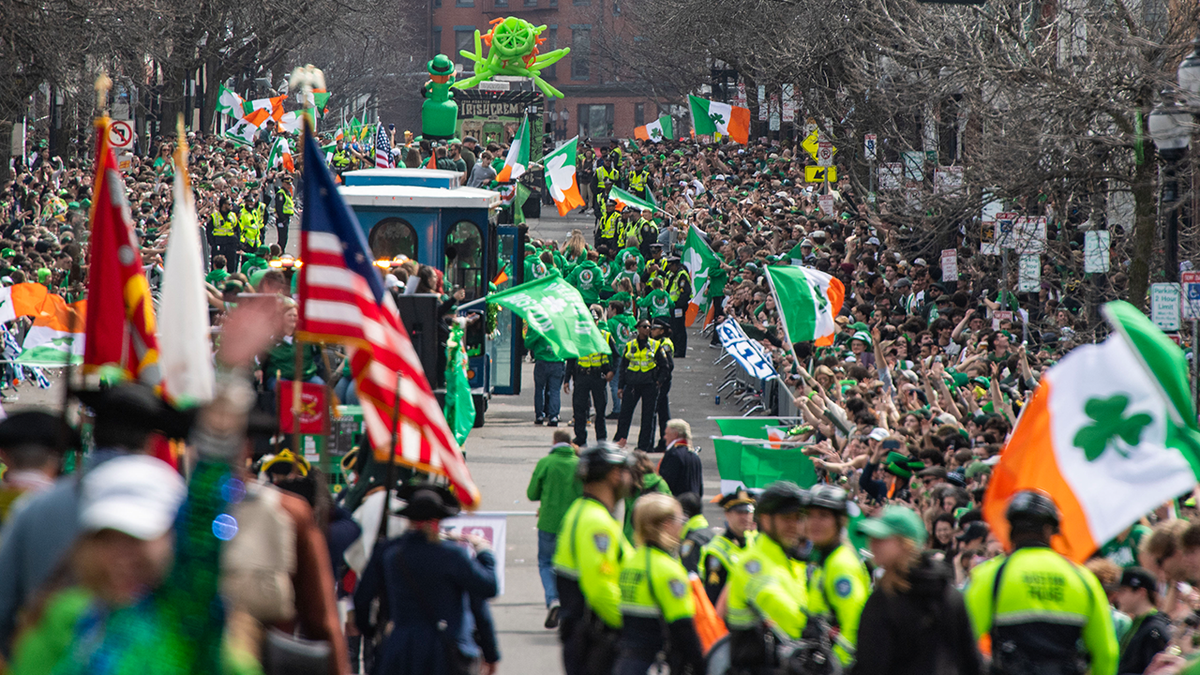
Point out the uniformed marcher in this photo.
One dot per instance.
(656, 600)
(767, 588)
(839, 584)
(587, 562)
(660, 329)
(224, 232)
(285, 208)
(642, 366)
(606, 230)
(1038, 606)
(591, 374)
(680, 288)
(607, 175)
(647, 233)
(696, 531)
(250, 223)
(639, 181)
(720, 555)
(423, 583)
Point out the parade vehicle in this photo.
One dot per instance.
(428, 216)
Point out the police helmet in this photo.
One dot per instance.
(829, 497)
(595, 461)
(783, 497)
(1032, 508)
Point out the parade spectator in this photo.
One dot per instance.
(555, 486)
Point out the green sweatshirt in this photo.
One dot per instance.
(554, 485)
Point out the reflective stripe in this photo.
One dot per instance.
(596, 360)
(641, 359)
(1040, 616)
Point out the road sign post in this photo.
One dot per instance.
(1189, 306)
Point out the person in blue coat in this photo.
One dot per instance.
(429, 588)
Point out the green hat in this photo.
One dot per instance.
(977, 469)
(860, 326)
(263, 251)
(902, 465)
(895, 521)
(863, 336)
(8, 252)
(43, 275)
(440, 65)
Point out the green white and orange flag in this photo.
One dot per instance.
(714, 117)
(657, 131)
(1110, 434)
(807, 300)
(517, 160)
(700, 261)
(561, 179)
(624, 199)
(273, 106)
(56, 335)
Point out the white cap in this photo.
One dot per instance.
(878, 434)
(390, 281)
(135, 494)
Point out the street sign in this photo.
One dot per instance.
(1191, 295)
(999, 316)
(869, 142)
(120, 134)
(826, 204)
(1165, 306)
(824, 153)
(819, 174)
(949, 265)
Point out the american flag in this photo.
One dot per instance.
(342, 300)
(383, 149)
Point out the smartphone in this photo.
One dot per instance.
(391, 127)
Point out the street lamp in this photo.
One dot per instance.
(1169, 126)
(1188, 75)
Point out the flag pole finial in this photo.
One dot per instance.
(103, 84)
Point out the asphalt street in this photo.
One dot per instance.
(502, 454)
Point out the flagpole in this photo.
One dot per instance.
(391, 468)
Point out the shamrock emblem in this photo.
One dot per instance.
(1109, 421)
(656, 133)
(61, 342)
(717, 118)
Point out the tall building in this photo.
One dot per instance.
(596, 104)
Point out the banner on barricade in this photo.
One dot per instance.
(491, 526)
(749, 354)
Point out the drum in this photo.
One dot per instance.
(719, 657)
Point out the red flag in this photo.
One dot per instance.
(312, 408)
(120, 317)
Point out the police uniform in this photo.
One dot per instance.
(606, 232)
(662, 406)
(765, 584)
(341, 160)
(285, 208)
(587, 564)
(1038, 607)
(639, 182)
(642, 367)
(718, 558)
(591, 387)
(657, 610)
(838, 588)
(680, 289)
(605, 178)
(250, 224)
(696, 533)
(225, 239)
(648, 235)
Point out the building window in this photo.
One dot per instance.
(464, 39)
(581, 2)
(464, 3)
(554, 3)
(435, 42)
(596, 121)
(437, 3)
(616, 9)
(581, 47)
(551, 35)
(531, 3)
(500, 3)
(639, 114)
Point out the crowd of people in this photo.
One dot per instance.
(903, 417)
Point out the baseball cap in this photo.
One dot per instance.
(976, 529)
(134, 494)
(895, 521)
(878, 434)
(1137, 577)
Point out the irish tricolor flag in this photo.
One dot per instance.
(699, 260)
(1110, 434)
(281, 154)
(658, 130)
(517, 160)
(624, 199)
(808, 300)
(712, 117)
(561, 180)
(56, 334)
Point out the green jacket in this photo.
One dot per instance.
(540, 348)
(658, 303)
(651, 482)
(554, 485)
(622, 328)
(587, 278)
(282, 358)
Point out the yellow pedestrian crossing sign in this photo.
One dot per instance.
(819, 174)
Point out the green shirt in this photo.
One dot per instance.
(658, 302)
(622, 328)
(555, 485)
(282, 358)
(1125, 553)
(217, 276)
(587, 278)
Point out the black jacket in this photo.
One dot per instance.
(1148, 636)
(922, 631)
(681, 470)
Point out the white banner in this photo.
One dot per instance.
(493, 527)
(749, 354)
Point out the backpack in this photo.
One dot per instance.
(258, 563)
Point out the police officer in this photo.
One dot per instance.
(1037, 605)
(767, 588)
(587, 562)
(696, 532)
(285, 208)
(224, 233)
(839, 584)
(639, 181)
(680, 288)
(606, 231)
(656, 600)
(720, 555)
(342, 158)
(643, 365)
(250, 223)
(647, 232)
(591, 373)
(660, 329)
(607, 175)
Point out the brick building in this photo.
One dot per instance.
(595, 106)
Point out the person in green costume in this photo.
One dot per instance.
(439, 111)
